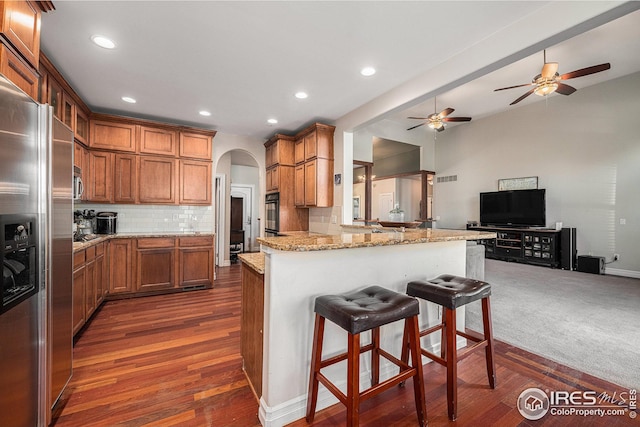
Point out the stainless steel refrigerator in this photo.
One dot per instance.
(36, 340)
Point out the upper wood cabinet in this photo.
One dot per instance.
(112, 135)
(194, 182)
(18, 72)
(20, 24)
(100, 185)
(81, 129)
(156, 140)
(196, 145)
(299, 150)
(157, 180)
(125, 183)
(279, 150)
(68, 111)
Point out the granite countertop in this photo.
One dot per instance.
(78, 246)
(253, 260)
(319, 242)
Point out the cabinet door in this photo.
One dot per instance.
(310, 146)
(158, 141)
(299, 151)
(112, 135)
(275, 178)
(299, 186)
(195, 182)
(100, 277)
(18, 72)
(78, 155)
(252, 321)
(90, 296)
(157, 180)
(82, 126)
(196, 266)
(69, 112)
(310, 183)
(268, 156)
(121, 266)
(195, 146)
(54, 96)
(20, 24)
(78, 299)
(125, 182)
(100, 177)
(156, 269)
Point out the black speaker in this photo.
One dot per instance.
(591, 264)
(568, 251)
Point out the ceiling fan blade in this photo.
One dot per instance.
(418, 118)
(416, 126)
(549, 69)
(445, 112)
(456, 119)
(523, 96)
(513, 87)
(585, 71)
(565, 89)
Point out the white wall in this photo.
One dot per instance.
(585, 151)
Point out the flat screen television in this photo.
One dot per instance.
(513, 208)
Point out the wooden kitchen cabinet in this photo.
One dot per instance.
(195, 145)
(195, 261)
(78, 304)
(68, 111)
(273, 179)
(155, 264)
(100, 185)
(298, 189)
(125, 178)
(81, 130)
(251, 328)
(157, 180)
(299, 151)
(112, 135)
(121, 265)
(20, 24)
(318, 183)
(23, 76)
(194, 182)
(313, 184)
(102, 272)
(159, 141)
(90, 294)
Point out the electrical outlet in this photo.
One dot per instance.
(616, 257)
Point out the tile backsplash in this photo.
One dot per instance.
(157, 218)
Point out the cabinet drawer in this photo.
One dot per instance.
(196, 241)
(78, 260)
(156, 242)
(90, 253)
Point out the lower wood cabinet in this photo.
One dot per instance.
(89, 274)
(155, 260)
(195, 262)
(121, 265)
(252, 321)
(78, 307)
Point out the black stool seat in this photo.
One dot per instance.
(366, 309)
(449, 291)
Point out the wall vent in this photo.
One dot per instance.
(449, 178)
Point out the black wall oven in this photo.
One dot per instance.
(19, 269)
(272, 212)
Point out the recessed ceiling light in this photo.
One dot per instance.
(272, 121)
(103, 41)
(128, 99)
(368, 71)
(301, 95)
(205, 113)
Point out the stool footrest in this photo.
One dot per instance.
(343, 356)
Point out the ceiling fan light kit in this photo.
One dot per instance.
(436, 121)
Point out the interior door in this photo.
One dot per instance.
(385, 204)
(244, 208)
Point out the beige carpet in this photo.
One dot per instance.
(586, 321)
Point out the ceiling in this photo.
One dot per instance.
(243, 61)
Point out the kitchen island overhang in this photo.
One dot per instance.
(301, 267)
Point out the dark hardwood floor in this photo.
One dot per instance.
(174, 360)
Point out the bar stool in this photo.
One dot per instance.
(358, 312)
(452, 292)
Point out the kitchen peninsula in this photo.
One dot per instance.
(299, 267)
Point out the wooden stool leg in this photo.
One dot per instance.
(375, 356)
(443, 336)
(316, 358)
(488, 335)
(353, 380)
(452, 364)
(412, 330)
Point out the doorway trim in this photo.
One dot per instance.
(220, 186)
(247, 192)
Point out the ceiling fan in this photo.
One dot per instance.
(548, 81)
(436, 121)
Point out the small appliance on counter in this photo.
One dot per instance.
(106, 222)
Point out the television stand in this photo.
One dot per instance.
(528, 245)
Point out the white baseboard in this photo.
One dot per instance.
(620, 272)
